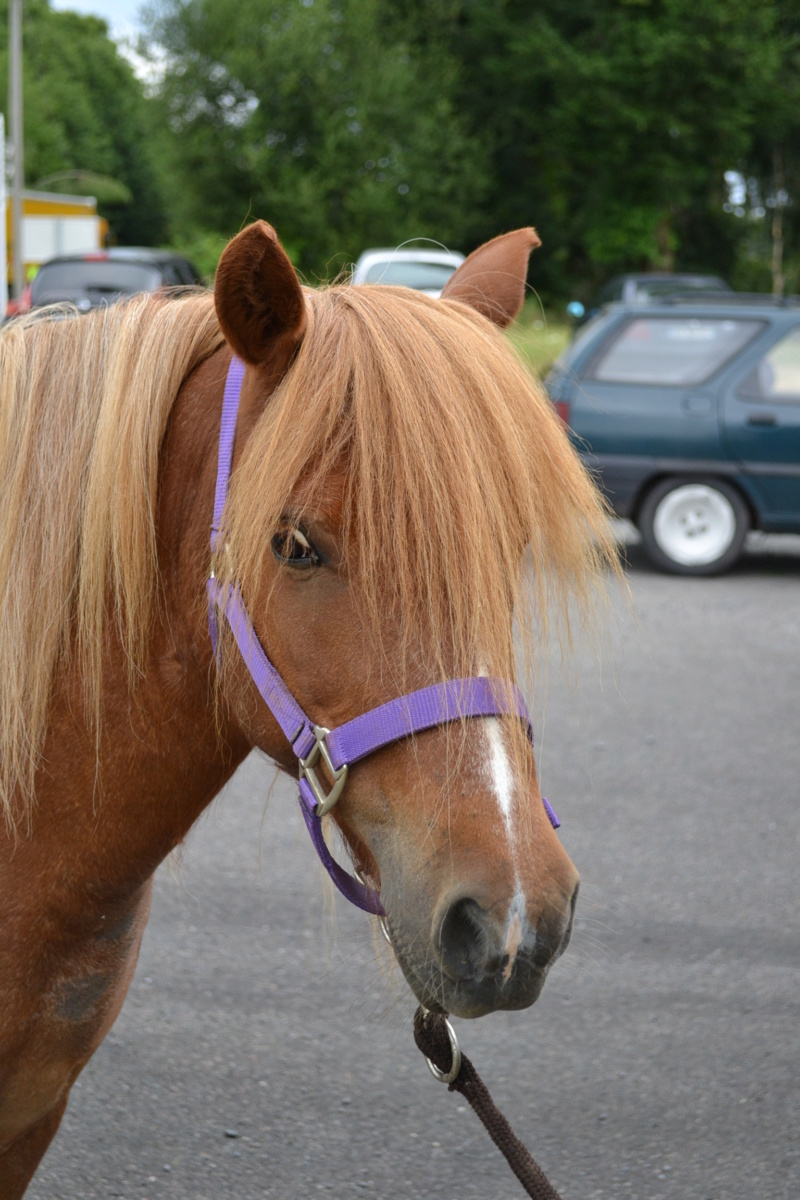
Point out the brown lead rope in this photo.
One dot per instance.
(432, 1038)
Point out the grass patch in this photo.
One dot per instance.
(538, 340)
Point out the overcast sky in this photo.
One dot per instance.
(120, 14)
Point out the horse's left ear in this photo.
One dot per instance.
(492, 279)
(259, 300)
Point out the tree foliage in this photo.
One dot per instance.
(612, 125)
(615, 121)
(771, 168)
(84, 111)
(307, 113)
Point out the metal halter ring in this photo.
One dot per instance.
(455, 1050)
(325, 800)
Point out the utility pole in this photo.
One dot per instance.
(15, 112)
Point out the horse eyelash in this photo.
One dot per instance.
(292, 532)
(300, 537)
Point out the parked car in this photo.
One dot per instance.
(424, 270)
(644, 288)
(101, 277)
(20, 304)
(689, 413)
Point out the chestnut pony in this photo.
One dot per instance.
(403, 508)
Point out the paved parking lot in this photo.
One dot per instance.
(266, 1048)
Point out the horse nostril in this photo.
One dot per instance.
(555, 931)
(467, 941)
(567, 936)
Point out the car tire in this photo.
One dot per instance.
(693, 526)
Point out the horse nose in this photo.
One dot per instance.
(468, 940)
(473, 944)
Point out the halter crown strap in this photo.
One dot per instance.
(227, 434)
(340, 748)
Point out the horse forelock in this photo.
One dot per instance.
(446, 456)
(454, 463)
(84, 403)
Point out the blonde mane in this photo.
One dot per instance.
(84, 403)
(455, 462)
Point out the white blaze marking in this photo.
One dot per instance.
(500, 774)
(501, 779)
(517, 929)
(513, 941)
(502, 782)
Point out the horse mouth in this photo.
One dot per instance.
(474, 996)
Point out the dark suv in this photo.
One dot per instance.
(101, 277)
(689, 413)
(648, 287)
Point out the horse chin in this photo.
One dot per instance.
(476, 996)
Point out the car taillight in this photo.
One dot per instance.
(562, 409)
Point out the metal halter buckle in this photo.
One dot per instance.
(325, 801)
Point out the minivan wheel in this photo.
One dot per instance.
(693, 526)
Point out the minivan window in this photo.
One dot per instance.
(672, 350)
(776, 377)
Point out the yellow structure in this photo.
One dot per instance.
(54, 224)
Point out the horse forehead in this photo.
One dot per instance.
(323, 498)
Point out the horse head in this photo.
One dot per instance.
(399, 487)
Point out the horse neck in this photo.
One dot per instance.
(180, 685)
(165, 746)
(198, 740)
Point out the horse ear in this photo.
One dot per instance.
(492, 279)
(259, 299)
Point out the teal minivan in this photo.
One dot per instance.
(688, 413)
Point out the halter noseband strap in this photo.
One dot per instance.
(345, 745)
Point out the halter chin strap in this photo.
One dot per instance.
(339, 748)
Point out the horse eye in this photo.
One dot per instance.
(293, 548)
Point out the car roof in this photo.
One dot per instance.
(447, 257)
(140, 254)
(143, 254)
(707, 305)
(667, 276)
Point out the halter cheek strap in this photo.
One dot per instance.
(347, 744)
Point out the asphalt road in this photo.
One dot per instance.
(266, 1050)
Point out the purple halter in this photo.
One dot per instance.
(341, 747)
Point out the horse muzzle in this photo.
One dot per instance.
(478, 962)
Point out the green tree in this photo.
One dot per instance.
(304, 112)
(85, 111)
(772, 166)
(609, 123)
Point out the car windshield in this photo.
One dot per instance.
(420, 275)
(94, 280)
